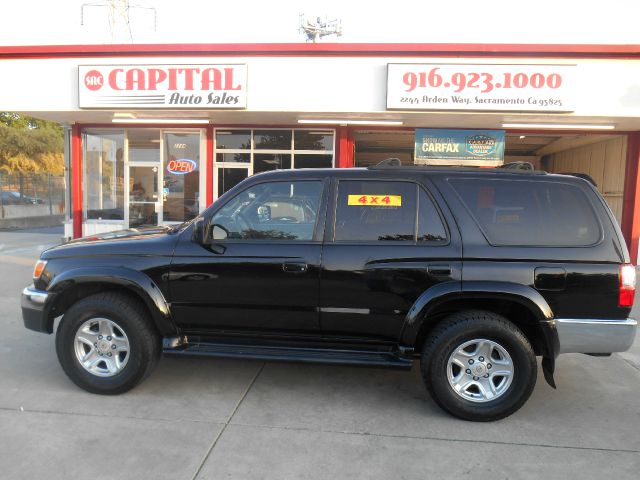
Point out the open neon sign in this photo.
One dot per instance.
(181, 166)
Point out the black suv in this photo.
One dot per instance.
(474, 272)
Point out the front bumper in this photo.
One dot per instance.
(35, 310)
(595, 335)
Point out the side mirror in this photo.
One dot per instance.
(198, 231)
(218, 232)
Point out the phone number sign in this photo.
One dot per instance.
(488, 87)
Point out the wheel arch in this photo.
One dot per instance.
(520, 304)
(73, 285)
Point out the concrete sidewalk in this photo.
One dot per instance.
(217, 419)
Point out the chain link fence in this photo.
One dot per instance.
(32, 195)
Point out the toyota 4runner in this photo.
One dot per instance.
(473, 272)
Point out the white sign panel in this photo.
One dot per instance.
(163, 86)
(470, 86)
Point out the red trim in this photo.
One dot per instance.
(209, 157)
(76, 180)
(631, 199)
(325, 49)
(345, 147)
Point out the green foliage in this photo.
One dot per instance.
(30, 145)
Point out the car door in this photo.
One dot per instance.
(386, 243)
(259, 269)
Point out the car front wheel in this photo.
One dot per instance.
(478, 366)
(107, 344)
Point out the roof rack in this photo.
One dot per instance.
(511, 167)
(389, 162)
(525, 166)
(583, 176)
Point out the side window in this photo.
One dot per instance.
(376, 211)
(430, 226)
(270, 211)
(527, 213)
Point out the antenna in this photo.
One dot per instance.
(119, 22)
(314, 30)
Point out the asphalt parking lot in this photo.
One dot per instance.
(216, 419)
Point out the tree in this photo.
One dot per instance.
(30, 145)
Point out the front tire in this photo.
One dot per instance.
(478, 366)
(106, 343)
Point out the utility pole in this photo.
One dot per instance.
(315, 30)
(119, 21)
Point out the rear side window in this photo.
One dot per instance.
(372, 211)
(522, 213)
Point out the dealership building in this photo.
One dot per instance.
(155, 133)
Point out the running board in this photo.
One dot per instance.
(385, 359)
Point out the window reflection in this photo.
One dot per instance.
(270, 211)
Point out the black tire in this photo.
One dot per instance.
(466, 326)
(130, 317)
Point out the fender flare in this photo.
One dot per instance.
(137, 282)
(452, 291)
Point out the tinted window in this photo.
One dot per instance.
(272, 139)
(430, 226)
(233, 139)
(530, 213)
(270, 211)
(264, 162)
(230, 177)
(376, 211)
(314, 161)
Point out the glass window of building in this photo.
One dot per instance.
(240, 153)
(104, 174)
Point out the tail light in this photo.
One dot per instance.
(627, 285)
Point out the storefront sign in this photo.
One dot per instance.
(467, 86)
(459, 147)
(181, 166)
(163, 86)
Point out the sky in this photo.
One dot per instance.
(50, 22)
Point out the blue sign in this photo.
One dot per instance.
(459, 147)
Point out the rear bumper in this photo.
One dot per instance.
(34, 309)
(595, 335)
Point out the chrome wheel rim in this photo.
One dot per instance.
(101, 347)
(480, 370)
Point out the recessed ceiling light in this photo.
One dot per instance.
(560, 126)
(345, 121)
(161, 120)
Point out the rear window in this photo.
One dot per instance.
(523, 213)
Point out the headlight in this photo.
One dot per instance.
(39, 268)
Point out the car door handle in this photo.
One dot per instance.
(294, 267)
(439, 269)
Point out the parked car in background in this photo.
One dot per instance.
(14, 198)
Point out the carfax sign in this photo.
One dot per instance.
(162, 86)
(459, 147)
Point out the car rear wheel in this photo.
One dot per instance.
(107, 344)
(478, 366)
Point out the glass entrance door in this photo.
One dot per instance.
(181, 176)
(144, 177)
(144, 201)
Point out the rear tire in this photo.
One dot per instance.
(478, 366)
(107, 344)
